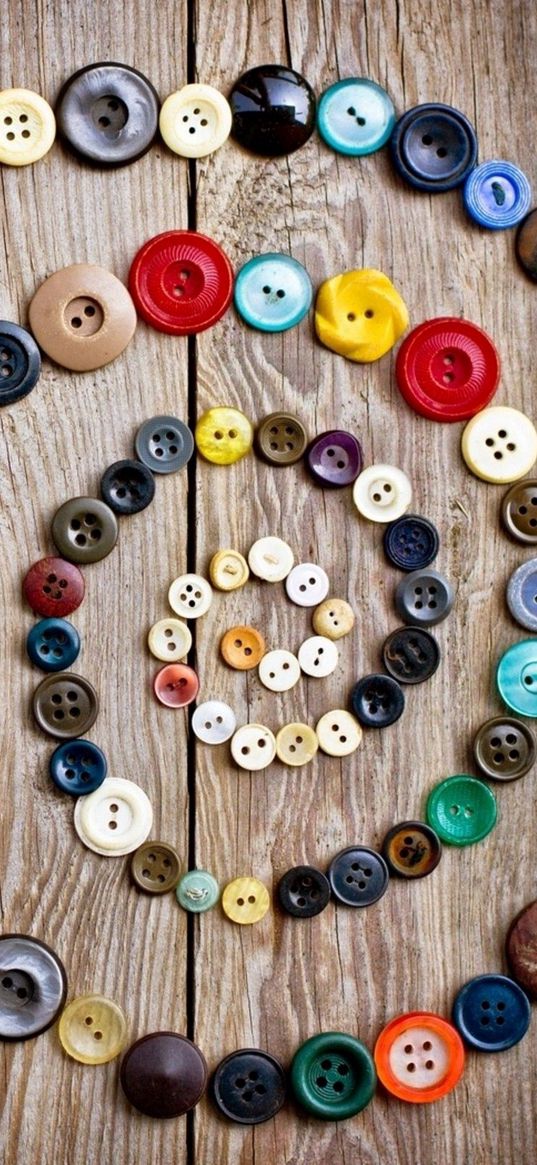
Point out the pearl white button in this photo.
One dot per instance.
(253, 747)
(214, 722)
(382, 493)
(338, 733)
(499, 444)
(195, 121)
(170, 640)
(318, 656)
(115, 819)
(307, 584)
(270, 559)
(279, 670)
(190, 595)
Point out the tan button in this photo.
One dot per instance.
(155, 867)
(93, 1029)
(296, 744)
(338, 733)
(170, 640)
(245, 900)
(82, 317)
(65, 705)
(253, 747)
(242, 647)
(333, 618)
(84, 530)
(27, 127)
(228, 570)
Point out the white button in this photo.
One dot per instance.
(419, 1058)
(318, 656)
(190, 596)
(214, 722)
(115, 819)
(170, 640)
(499, 444)
(270, 559)
(279, 670)
(195, 121)
(253, 747)
(307, 584)
(338, 733)
(382, 493)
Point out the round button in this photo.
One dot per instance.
(318, 656)
(20, 362)
(304, 891)
(273, 110)
(249, 1086)
(307, 584)
(521, 594)
(181, 282)
(505, 748)
(195, 121)
(411, 849)
(355, 116)
(377, 701)
(253, 747)
(213, 722)
(224, 435)
(164, 444)
(93, 1029)
(333, 1076)
(65, 705)
(127, 487)
(242, 647)
(78, 767)
(434, 147)
(521, 949)
(461, 810)
(115, 819)
(492, 1013)
(82, 317)
(197, 891)
(33, 986)
(411, 655)
(190, 596)
(360, 315)
(163, 1074)
(425, 597)
(499, 445)
(419, 1057)
(333, 618)
(27, 127)
(279, 671)
(108, 114)
(169, 640)
(84, 530)
(334, 459)
(296, 744)
(176, 685)
(447, 369)
(382, 493)
(270, 559)
(281, 439)
(358, 876)
(496, 195)
(245, 900)
(519, 511)
(411, 542)
(526, 245)
(155, 867)
(516, 677)
(273, 292)
(338, 733)
(228, 570)
(53, 587)
(53, 644)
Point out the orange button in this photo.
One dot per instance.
(242, 647)
(419, 1057)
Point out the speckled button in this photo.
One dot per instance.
(521, 594)
(279, 671)
(411, 542)
(411, 849)
(127, 486)
(334, 459)
(93, 1029)
(377, 701)
(197, 891)
(303, 892)
(84, 530)
(338, 733)
(214, 722)
(20, 363)
(461, 810)
(318, 656)
(195, 121)
(249, 1086)
(411, 655)
(108, 114)
(333, 618)
(434, 147)
(355, 116)
(360, 315)
(163, 1074)
(253, 747)
(164, 444)
(492, 1013)
(33, 986)
(155, 867)
(296, 744)
(190, 596)
(224, 435)
(505, 748)
(499, 444)
(516, 677)
(281, 439)
(424, 597)
(181, 282)
(53, 587)
(53, 644)
(382, 493)
(115, 819)
(65, 705)
(176, 685)
(242, 647)
(78, 767)
(419, 1057)
(526, 244)
(519, 511)
(228, 570)
(496, 195)
(270, 559)
(272, 292)
(307, 584)
(245, 900)
(27, 127)
(273, 110)
(82, 317)
(358, 876)
(169, 640)
(521, 949)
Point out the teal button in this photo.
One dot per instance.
(197, 891)
(273, 292)
(462, 810)
(516, 677)
(355, 116)
(333, 1076)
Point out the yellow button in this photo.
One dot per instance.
(228, 570)
(245, 900)
(223, 435)
(170, 640)
(338, 733)
(27, 127)
(360, 315)
(93, 1029)
(195, 121)
(333, 618)
(499, 444)
(296, 744)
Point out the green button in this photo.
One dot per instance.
(462, 810)
(333, 1076)
(197, 891)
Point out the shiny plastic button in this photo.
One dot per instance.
(270, 559)
(411, 849)
(505, 748)
(82, 317)
(214, 722)
(491, 1013)
(411, 655)
(33, 986)
(355, 116)
(27, 127)
(181, 282)
(53, 644)
(307, 584)
(333, 1076)
(519, 512)
(253, 747)
(318, 656)
(84, 530)
(303, 891)
(108, 114)
(521, 949)
(93, 1029)
(163, 1074)
(279, 671)
(53, 587)
(195, 121)
(281, 439)
(358, 876)
(65, 705)
(78, 767)
(424, 597)
(496, 195)
(176, 685)
(360, 315)
(333, 618)
(190, 596)
(242, 647)
(245, 900)
(411, 542)
(499, 445)
(521, 594)
(127, 487)
(20, 362)
(296, 744)
(516, 677)
(334, 459)
(338, 733)
(377, 701)
(273, 110)
(249, 1086)
(169, 640)
(434, 147)
(461, 810)
(197, 891)
(155, 867)
(115, 819)
(273, 292)
(526, 245)
(419, 1057)
(224, 435)
(228, 570)
(164, 444)
(447, 369)
(382, 493)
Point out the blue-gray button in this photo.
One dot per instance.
(521, 594)
(273, 292)
(355, 116)
(497, 195)
(53, 644)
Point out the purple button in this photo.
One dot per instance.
(334, 458)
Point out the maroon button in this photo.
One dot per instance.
(53, 587)
(181, 282)
(176, 685)
(163, 1074)
(521, 949)
(334, 458)
(447, 369)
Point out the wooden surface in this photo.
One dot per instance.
(274, 984)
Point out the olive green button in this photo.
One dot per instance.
(65, 705)
(505, 748)
(84, 530)
(155, 867)
(333, 1076)
(281, 439)
(462, 810)
(197, 891)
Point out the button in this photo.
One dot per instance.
(213, 722)
(382, 493)
(181, 282)
(127, 487)
(526, 244)
(273, 110)
(333, 618)
(228, 570)
(519, 511)
(338, 733)
(411, 543)
(307, 584)
(78, 767)
(434, 147)
(272, 292)
(377, 701)
(163, 1074)
(318, 656)
(84, 530)
(504, 748)
(516, 677)
(358, 876)
(270, 559)
(411, 849)
(411, 655)
(169, 640)
(304, 891)
(355, 116)
(197, 891)
(224, 435)
(190, 596)
(82, 317)
(279, 671)
(333, 1076)
(242, 647)
(521, 594)
(296, 744)
(65, 705)
(334, 459)
(53, 644)
(253, 747)
(496, 195)
(425, 597)
(281, 439)
(164, 444)
(155, 867)
(461, 810)
(249, 1086)
(499, 445)
(195, 121)
(93, 1029)
(245, 900)
(27, 127)
(20, 363)
(176, 685)
(53, 587)
(360, 315)
(447, 369)
(419, 1057)
(115, 819)
(492, 1013)
(33, 986)
(108, 114)
(521, 949)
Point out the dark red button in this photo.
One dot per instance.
(53, 587)
(176, 685)
(181, 282)
(447, 369)
(163, 1074)
(334, 458)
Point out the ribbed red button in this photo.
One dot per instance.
(176, 685)
(181, 282)
(447, 369)
(53, 587)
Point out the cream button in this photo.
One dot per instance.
(296, 744)
(499, 444)
(382, 493)
(333, 618)
(27, 127)
(271, 559)
(213, 722)
(115, 819)
(228, 570)
(170, 640)
(93, 1029)
(253, 747)
(422, 1053)
(338, 733)
(190, 596)
(279, 671)
(307, 584)
(318, 656)
(195, 121)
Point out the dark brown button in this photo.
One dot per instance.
(521, 948)
(65, 705)
(155, 867)
(84, 530)
(163, 1074)
(505, 748)
(281, 439)
(82, 317)
(411, 849)
(526, 244)
(519, 511)
(53, 587)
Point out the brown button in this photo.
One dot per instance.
(65, 705)
(526, 244)
(155, 867)
(242, 647)
(53, 587)
(521, 948)
(519, 511)
(163, 1074)
(505, 748)
(82, 317)
(281, 439)
(84, 529)
(411, 849)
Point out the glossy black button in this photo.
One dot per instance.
(377, 701)
(304, 891)
(249, 1086)
(434, 147)
(411, 542)
(273, 110)
(505, 748)
(358, 876)
(108, 114)
(411, 655)
(127, 487)
(20, 362)
(33, 986)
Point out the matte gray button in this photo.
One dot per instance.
(425, 597)
(165, 444)
(33, 986)
(521, 594)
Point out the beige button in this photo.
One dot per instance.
(318, 656)
(115, 819)
(195, 121)
(190, 596)
(82, 317)
(253, 747)
(271, 559)
(93, 1029)
(228, 570)
(296, 744)
(382, 493)
(279, 671)
(338, 733)
(27, 127)
(499, 444)
(333, 618)
(245, 900)
(170, 640)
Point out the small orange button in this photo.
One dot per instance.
(419, 1057)
(242, 647)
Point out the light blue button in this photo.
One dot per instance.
(516, 677)
(355, 116)
(197, 891)
(521, 594)
(497, 195)
(273, 292)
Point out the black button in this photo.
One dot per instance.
(127, 487)
(20, 362)
(411, 542)
(434, 147)
(304, 891)
(273, 110)
(358, 876)
(249, 1086)
(108, 114)
(377, 700)
(411, 655)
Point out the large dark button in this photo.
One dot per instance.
(249, 1086)
(273, 110)
(65, 705)
(411, 655)
(304, 891)
(412, 849)
(526, 244)
(53, 644)
(334, 458)
(519, 511)
(434, 147)
(53, 587)
(281, 439)
(163, 1074)
(505, 748)
(492, 1013)
(377, 700)
(521, 948)
(84, 530)
(20, 362)
(108, 113)
(358, 876)
(127, 487)
(77, 767)
(411, 542)
(33, 986)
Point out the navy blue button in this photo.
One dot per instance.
(377, 700)
(492, 1013)
(53, 644)
(411, 542)
(355, 116)
(78, 767)
(20, 362)
(434, 147)
(497, 195)
(273, 292)
(358, 876)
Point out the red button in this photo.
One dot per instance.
(53, 587)
(181, 282)
(447, 369)
(176, 685)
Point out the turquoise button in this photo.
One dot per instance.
(355, 116)
(462, 810)
(197, 891)
(273, 292)
(516, 677)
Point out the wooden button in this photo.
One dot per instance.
(155, 867)
(338, 733)
(65, 705)
(526, 244)
(84, 530)
(521, 949)
(270, 559)
(296, 744)
(93, 1029)
(242, 647)
(411, 849)
(245, 900)
(27, 127)
(33, 986)
(333, 618)
(176, 685)
(223, 435)
(163, 1074)
(253, 747)
(228, 570)
(281, 439)
(169, 640)
(53, 587)
(115, 819)
(82, 317)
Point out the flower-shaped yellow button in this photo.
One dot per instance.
(245, 900)
(195, 121)
(296, 744)
(93, 1029)
(360, 315)
(224, 435)
(27, 127)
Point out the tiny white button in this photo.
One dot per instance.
(318, 656)
(279, 670)
(307, 584)
(214, 722)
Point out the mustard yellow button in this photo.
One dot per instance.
(27, 127)
(333, 618)
(224, 435)
(93, 1029)
(228, 570)
(245, 900)
(195, 121)
(296, 744)
(360, 315)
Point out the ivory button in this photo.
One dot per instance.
(318, 656)
(307, 584)
(82, 317)
(245, 900)
(333, 618)
(499, 444)
(228, 570)
(338, 733)
(115, 819)
(382, 493)
(169, 640)
(195, 121)
(213, 722)
(270, 559)
(279, 671)
(190, 596)
(296, 744)
(253, 747)
(27, 127)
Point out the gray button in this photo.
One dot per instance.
(165, 444)
(521, 594)
(425, 597)
(33, 986)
